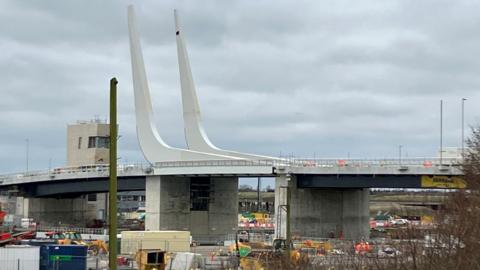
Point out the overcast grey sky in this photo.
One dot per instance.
(323, 78)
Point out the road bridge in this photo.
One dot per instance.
(310, 173)
(196, 188)
(312, 179)
(320, 181)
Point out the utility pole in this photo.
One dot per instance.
(112, 198)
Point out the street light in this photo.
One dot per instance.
(463, 127)
(400, 154)
(26, 154)
(441, 132)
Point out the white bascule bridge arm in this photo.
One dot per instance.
(195, 134)
(152, 145)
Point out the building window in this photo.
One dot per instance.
(79, 142)
(92, 197)
(98, 142)
(103, 142)
(91, 142)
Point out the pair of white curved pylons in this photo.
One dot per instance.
(152, 145)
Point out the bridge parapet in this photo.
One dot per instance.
(419, 166)
(66, 173)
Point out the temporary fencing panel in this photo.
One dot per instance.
(19, 258)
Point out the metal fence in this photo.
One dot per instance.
(42, 228)
(294, 162)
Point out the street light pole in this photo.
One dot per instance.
(441, 132)
(463, 127)
(400, 154)
(27, 152)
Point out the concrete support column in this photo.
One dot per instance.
(174, 203)
(98, 209)
(152, 203)
(223, 207)
(168, 206)
(316, 212)
(322, 212)
(21, 207)
(51, 211)
(280, 210)
(356, 214)
(101, 206)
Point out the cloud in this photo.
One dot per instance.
(329, 78)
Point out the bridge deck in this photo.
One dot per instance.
(334, 173)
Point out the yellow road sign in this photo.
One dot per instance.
(443, 181)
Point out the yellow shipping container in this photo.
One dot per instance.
(170, 241)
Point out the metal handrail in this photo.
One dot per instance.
(420, 162)
(84, 170)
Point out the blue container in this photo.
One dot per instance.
(63, 257)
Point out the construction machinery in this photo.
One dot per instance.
(59, 237)
(97, 246)
(74, 238)
(254, 217)
(257, 255)
(94, 246)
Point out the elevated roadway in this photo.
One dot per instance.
(310, 173)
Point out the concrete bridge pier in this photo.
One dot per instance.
(56, 212)
(205, 206)
(322, 212)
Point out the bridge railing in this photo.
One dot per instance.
(419, 162)
(86, 171)
(216, 163)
